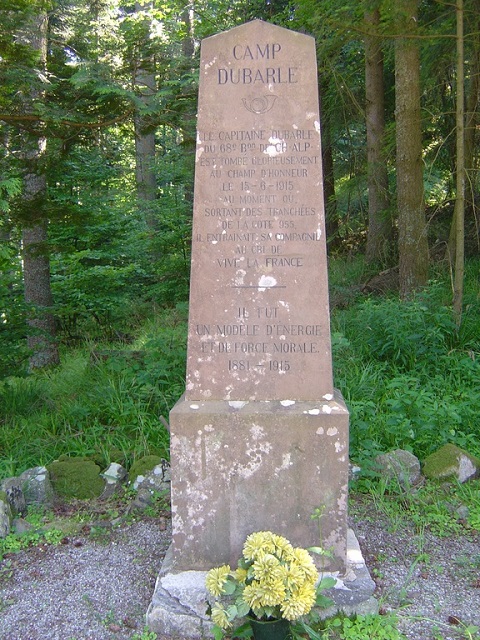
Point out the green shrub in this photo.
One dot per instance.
(410, 378)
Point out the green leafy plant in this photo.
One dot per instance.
(14, 543)
(145, 635)
(365, 626)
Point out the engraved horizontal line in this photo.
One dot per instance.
(255, 286)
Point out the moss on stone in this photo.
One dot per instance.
(444, 463)
(3, 496)
(118, 455)
(76, 478)
(144, 465)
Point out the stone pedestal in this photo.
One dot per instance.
(179, 604)
(240, 467)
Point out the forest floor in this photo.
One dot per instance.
(98, 582)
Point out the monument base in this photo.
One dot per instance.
(179, 603)
(240, 467)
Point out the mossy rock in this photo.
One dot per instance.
(76, 478)
(142, 466)
(451, 462)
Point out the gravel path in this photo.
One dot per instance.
(431, 582)
(85, 589)
(92, 588)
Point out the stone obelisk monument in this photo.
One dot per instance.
(259, 441)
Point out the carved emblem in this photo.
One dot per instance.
(260, 104)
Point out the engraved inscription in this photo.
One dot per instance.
(258, 239)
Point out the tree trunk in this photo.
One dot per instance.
(470, 134)
(412, 240)
(380, 232)
(330, 200)
(36, 261)
(38, 295)
(189, 124)
(471, 123)
(460, 178)
(144, 82)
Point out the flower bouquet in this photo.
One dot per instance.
(273, 581)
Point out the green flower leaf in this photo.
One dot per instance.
(229, 587)
(318, 550)
(326, 583)
(232, 612)
(323, 601)
(217, 632)
(242, 607)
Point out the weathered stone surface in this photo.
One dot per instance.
(399, 465)
(451, 461)
(115, 477)
(178, 607)
(259, 316)
(156, 479)
(13, 490)
(36, 486)
(259, 441)
(21, 526)
(156, 482)
(5, 515)
(265, 465)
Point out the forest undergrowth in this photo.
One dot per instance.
(409, 375)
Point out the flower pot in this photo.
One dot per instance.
(270, 629)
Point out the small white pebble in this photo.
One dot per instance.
(238, 404)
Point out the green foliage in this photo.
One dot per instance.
(13, 347)
(364, 626)
(433, 508)
(13, 543)
(9, 188)
(106, 404)
(410, 378)
(359, 627)
(145, 635)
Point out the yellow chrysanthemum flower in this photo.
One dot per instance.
(219, 616)
(216, 578)
(264, 566)
(283, 548)
(307, 593)
(257, 543)
(253, 596)
(299, 603)
(240, 575)
(294, 576)
(273, 593)
(303, 559)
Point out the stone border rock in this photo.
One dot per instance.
(37, 486)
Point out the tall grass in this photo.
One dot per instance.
(410, 377)
(107, 407)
